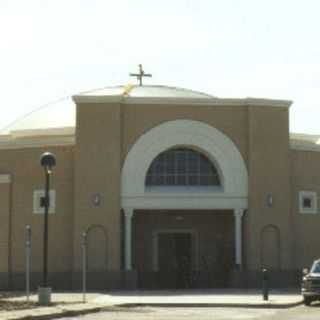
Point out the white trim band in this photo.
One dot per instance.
(5, 178)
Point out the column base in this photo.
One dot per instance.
(44, 296)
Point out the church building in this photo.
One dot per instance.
(173, 188)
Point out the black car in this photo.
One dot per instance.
(310, 288)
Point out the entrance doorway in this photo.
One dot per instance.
(183, 248)
(175, 259)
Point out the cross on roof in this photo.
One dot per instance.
(140, 75)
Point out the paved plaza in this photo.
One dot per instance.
(129, 302)
(157, 313)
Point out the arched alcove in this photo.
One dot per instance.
(96, 248)
(270, 247)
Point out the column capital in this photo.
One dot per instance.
(128, 212)
(238, 212)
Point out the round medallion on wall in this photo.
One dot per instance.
(96, 199)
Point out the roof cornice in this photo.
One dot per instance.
(300, 147)
(304, 142)
(37, 138)
(121, 99)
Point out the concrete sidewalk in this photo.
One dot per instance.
(70, 304)
(202, 298)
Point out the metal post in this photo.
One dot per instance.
(265, 285)
(47, 161)
(28, 260)
(84, 266)
(45, 234)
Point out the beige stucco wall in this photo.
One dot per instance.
(138, 119)
(305, 177)
(260, 133)
(262, 136)
(24, 167)
(269, 173)
(97, 171)
(104, 135)
(5, 190)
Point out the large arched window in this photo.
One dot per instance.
(182, 167)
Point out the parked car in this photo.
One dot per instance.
(310, 287)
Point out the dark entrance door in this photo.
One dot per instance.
(175, 260)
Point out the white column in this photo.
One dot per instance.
(238, 214)
(128, 213)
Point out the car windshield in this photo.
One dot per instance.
(316, 267)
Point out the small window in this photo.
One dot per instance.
(308, 202)
(39, 201)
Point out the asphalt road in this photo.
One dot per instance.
(146, 313)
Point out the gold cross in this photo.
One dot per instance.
(140, 75)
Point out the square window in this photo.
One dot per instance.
(308, 202)
(43, 201)
(181, 180)
(193, 167)
(39, 201)
(159, 168)
(170, 180)
(205, 166)
(170, 167)
(182, 167)
(149, 180)
(193, 156)
(159, 180)
(193, 180)
(181, 156)
(204, 180)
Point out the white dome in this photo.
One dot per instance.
(63, 113)
(148, 92)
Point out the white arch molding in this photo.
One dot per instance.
(198, 135)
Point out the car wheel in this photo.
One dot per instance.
(307, 301)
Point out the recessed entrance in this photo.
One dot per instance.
(175, 259)
(183, 248)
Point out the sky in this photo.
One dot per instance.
(51, 49)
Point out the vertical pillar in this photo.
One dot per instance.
(5, 232)
(128, 213)
(238, 214)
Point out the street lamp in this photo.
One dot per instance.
(47, 161)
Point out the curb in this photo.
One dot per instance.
(72, 313)
(62, 313)
(214, 305)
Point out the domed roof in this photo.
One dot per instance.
(53, 115)
(147, 91)
(62, 113)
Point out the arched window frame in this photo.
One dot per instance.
(188, 186)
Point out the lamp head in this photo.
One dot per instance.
(47, 161)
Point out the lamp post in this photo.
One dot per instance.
(28, 260)
(47, 161)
